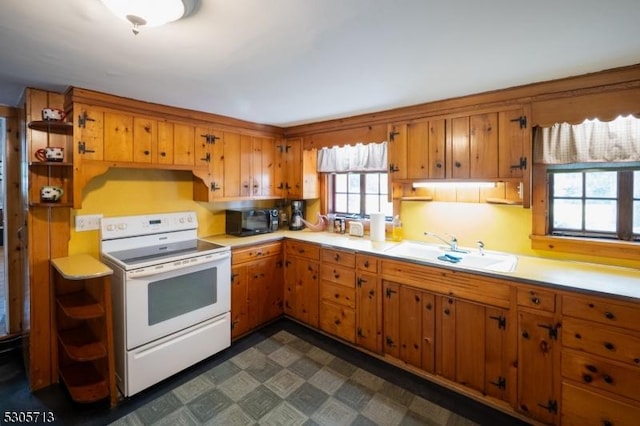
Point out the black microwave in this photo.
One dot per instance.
(251, 221)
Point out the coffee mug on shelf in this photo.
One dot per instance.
(50, 193)
(50, 153)
(53, 114)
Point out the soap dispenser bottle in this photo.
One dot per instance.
(396, 229)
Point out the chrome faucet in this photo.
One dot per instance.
(452, 243)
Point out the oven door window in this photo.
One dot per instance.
(171, 297)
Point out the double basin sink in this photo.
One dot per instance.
(489, 261)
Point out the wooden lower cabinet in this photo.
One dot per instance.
(582, 407)
(301, 282)
(538, 347)
(369, 311)
(256, 287)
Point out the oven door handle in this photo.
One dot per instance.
(208, 260)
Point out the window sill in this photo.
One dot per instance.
(587, 246)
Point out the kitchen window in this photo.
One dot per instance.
(595, 203)
(359, 194)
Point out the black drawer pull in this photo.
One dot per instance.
(608, 379)
(366, 263)
(447, 311)
(591, 368)
(609, 346)
(535, 300)
(336, 257)
(609, 315)
(587, 378)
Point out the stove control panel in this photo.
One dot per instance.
(139, 225)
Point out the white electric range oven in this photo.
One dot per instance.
(171, 296)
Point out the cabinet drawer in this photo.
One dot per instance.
(338, 320)
(296, 248)
(582, 407)
(611, 343)
(339, 257)
(603, 311)
(601, 373)
(367, 263)
(338, 294)
(257, 252)
(339, 275)
(538, 299)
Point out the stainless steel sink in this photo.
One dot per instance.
(437, 254)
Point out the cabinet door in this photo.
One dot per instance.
(411, 326)
(469, 345)
(369, 310)
(216, 162)
(267, 167)
(290, 269)
(256, 167)
(437, 138)
(89, 133)
(459, 166)
(307, 292)
(391, 314)
(164, 151)
(417, 150)
(428, 332)
(118, 137)
(233, 165)
(446, 341)
(483, 145)
(397, 151)
(246, 162)
(183, 144)
(512, 134)
(536, 375)
(145, 139)
(239, 301)
(293, 161)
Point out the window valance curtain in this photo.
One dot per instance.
(370, 157)
(590, 141)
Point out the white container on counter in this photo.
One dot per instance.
(377, 226)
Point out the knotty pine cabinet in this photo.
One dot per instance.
(337, 314)
(492, 145)
(368, 303)
(256, 286)
(296, 173)
(538, 354)
(600, 361)
(301, 281)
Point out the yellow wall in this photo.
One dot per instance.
(121, 192)
(501, 227)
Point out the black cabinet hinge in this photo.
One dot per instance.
(82, 148)
(207, 157)
(522, 165)
(552, 406)
(215, 187)
(522, 120)
(502, 321)
(392, 135)
(389, 292)
(389, 342)
(83, 118)
(501, 383)
(210, 139)
(283, 148)
(360, 332)
(552, 329)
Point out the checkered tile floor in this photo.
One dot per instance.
(285, 380)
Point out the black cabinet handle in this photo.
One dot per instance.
(609, 346)
(535, 300)
(591, 368)
(609, 315)
(608, 379)
(587, 378)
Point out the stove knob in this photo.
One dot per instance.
(110, 227)
(190, 219)
(122, 226)
(181, 220)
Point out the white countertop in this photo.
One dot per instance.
(569, 275)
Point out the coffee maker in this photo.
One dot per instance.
(297, 214)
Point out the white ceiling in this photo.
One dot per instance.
(287, 62)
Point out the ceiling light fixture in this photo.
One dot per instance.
(150, 13)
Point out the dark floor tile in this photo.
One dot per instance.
(265, 370)
(307, 398)
(259, 402)
(209, 404)
(161, 407)
(354, 395)
(222, 372)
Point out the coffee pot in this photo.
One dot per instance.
(297, 213)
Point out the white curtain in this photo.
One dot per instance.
(590, 141)
(371, 157)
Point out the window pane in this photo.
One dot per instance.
(600, 215)
(354, 203)
(341, 203)
(372, 204)
(636, 217)
(354, 183)
(567, 214)
(636, 184)
(384, 183)
(372, 183)
(601, 184)
(567, 185)
(341, 183)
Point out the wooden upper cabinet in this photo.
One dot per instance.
(163, 153)
(266, 175)
(397, 151)
(232, 165)
(88, 132)
(118, 137)
(513, 143)
(145, 139)
(417, 150)
(483, 145)
(246, 160)
(460, 150)
(437, 138)
(183, 144)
